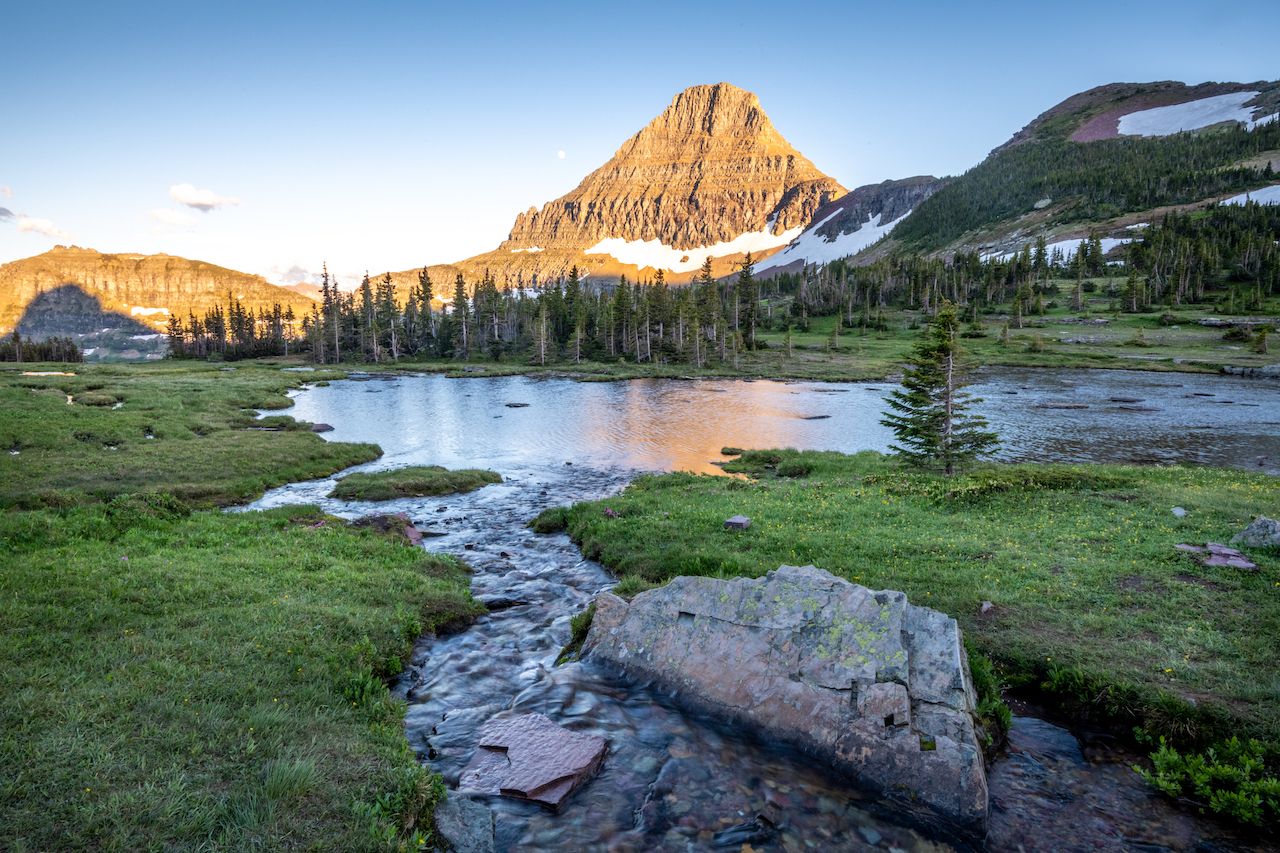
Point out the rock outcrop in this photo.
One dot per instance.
(875, 686)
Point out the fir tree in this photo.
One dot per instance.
(929, 418)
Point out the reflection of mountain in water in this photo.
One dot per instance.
(68, 310)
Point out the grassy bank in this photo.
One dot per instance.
(413, 482)
(185, 427)
(198, 680)
(209, 681)
(1090, 599)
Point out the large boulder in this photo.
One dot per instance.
(862, 679)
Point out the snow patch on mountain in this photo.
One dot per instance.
(1066, 248)
(812, 248)
(144, 311)
(655, 254)
(1192, 115)
(1266, 195)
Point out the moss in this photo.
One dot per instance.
(579, 626)
(411, 482)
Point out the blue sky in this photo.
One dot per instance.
(387, 135)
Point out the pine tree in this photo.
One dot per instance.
(461, 318)
(929, 417)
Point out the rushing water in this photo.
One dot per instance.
(672, 781)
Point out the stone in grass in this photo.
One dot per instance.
(1215, 554)
(737, 522)
(529, 757)
(464, 825)
(1179, 512)
(1262, 532)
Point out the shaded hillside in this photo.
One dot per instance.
(146, 288)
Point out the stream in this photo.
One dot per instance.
(671, 780)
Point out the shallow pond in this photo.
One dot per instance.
(673, 781)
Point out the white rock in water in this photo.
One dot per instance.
(875, 686)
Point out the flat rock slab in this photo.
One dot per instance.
(529, 757)
(1215, 554)
(737, 522)
(861, 679)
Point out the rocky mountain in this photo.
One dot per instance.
(115, 303)
(1104, 161)
(710, 176)
(853, 222)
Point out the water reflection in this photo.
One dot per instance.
(1041, 415)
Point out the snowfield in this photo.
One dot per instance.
(1066, 247)
(812, 248)
(143, 311)
(654, 253)
(1266, 195)
(531, 250)
(1164, 121)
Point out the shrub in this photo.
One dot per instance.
(794, 468)
(1230, 779)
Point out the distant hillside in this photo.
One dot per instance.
(116, 303)
(1100, 158)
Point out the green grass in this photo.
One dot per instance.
(1091, 601)
(187, 427)
(210, 681)
(174, 680)
(412, 482)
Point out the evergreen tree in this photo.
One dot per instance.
(929, 417)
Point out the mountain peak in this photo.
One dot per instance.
(709, 176)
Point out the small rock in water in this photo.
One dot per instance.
(517, 405)
(1262, 532)
(1179, 512)
(529, 757)
(742, 835)
(464, 825)
(470, 546)
(322, 427)
(442, 509)
(869, 835)
(737, 522)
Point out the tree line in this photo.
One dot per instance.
(1227, 255)
(19, 349)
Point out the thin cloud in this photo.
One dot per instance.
(33, 225)
(168, 216)
(203, 200)
(6, 213)
(7, 192)
(561, 154)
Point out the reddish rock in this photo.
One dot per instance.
(529, 757)
(1215, 554)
